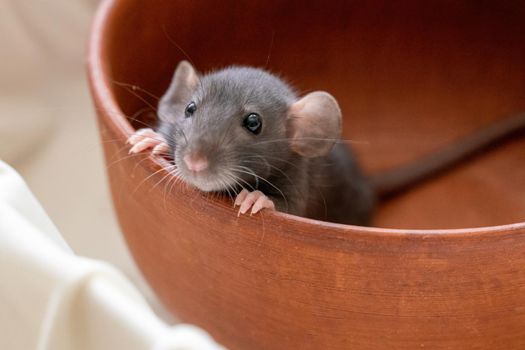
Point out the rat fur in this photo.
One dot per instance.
(293, 161)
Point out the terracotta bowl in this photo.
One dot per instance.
(444, 268)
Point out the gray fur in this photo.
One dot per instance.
(328, 188)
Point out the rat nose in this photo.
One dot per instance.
(196, 162)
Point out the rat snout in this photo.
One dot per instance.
(196, 162)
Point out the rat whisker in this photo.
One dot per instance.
(184, 135)
(135, 116)
(142, 123)
(227, 188)
(165, 192)
(250, 172)
(256, 156)
(298, 192)
(276, 158)
(131, 91)
(278, 169)
(138, 163)
(287, 139)
(134, 88)
(174, 43)
(147, 178)
(173, 178)
(233, 178)
(176, 178)
(238, 178)
(159, 139)
(270, 50)
(127, 156)
(263, 179)
(225, 135)
(169, 173)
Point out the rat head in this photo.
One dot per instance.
(238, 126)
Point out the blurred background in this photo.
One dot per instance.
(48, 126)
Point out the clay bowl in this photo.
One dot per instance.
(444, 268)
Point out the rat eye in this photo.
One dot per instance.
(190, 109)
(253, 123)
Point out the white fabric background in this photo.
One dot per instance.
(48, 133)
(53, 300)
(48, 127)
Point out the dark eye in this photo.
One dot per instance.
(253, 123)
(190, 109)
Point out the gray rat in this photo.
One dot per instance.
(243, 130)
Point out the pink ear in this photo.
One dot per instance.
(183, 83)
(314, 124)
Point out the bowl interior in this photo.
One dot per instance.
(410, 78)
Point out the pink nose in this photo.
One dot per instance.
(196, 162)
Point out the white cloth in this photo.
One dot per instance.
(51, 299)
(48, 127)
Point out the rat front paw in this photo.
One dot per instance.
(255, 200)
(144, 139)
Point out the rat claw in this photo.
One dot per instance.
(262, 202)
(132, 140)
(147, 138)
(161, 148)
(240, 197)
(140, 135)
(255, 200)
(248, 201)
(133, 149)
(142, 145)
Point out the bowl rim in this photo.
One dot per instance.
(118, 123)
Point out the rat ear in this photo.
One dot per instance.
(314, 124)
(184, 82)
